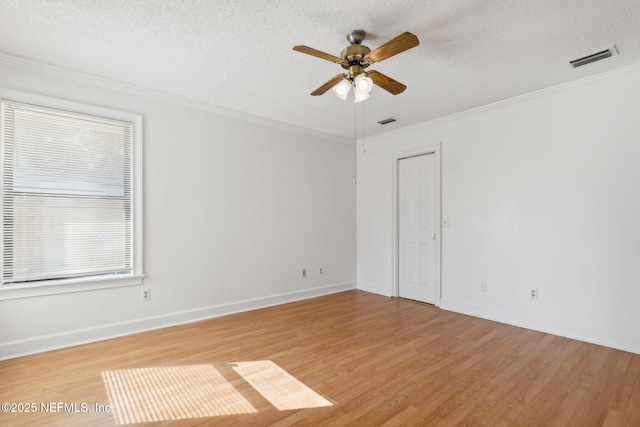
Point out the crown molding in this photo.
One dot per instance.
(103, 82)
(498, 104)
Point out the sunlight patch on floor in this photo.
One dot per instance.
(172, 393)
(200, 391)
(279, 387)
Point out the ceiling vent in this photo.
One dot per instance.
(387, 121)
(607, 53)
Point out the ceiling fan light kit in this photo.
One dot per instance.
(359, 97)
(362, 84)
(342, 89)
(355, 58)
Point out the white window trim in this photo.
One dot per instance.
(52, 287)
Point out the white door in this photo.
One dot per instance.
(417, 228)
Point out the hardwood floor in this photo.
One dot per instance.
(381, 361)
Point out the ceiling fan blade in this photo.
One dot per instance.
(404, 41)
(328, 85)
(386, 83)
(318, 54)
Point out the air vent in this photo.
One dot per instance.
(593, 57)
(387, 121)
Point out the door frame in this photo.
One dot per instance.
(436, 151)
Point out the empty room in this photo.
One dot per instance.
(256, 213)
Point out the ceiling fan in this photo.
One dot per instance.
(355, 58)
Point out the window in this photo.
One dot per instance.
(70, 196)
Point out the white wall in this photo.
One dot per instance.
(541, 191)
(234, 209)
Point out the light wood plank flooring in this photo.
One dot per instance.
(381, 361)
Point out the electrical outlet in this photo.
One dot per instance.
(304, 272)
(533, 293)
(320, 271)
(483, 286)
(146, 294)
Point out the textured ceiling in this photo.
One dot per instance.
(237, 54)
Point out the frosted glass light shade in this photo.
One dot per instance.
(359, 97)
(342, 89)
(362, 84)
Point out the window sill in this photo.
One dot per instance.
(66, 286)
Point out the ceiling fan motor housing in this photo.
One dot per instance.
(353, 56)
(355, 52)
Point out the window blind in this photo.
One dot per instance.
(66, 194)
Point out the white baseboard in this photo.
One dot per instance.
(548, 325)
(375, 288)
(40, 344)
